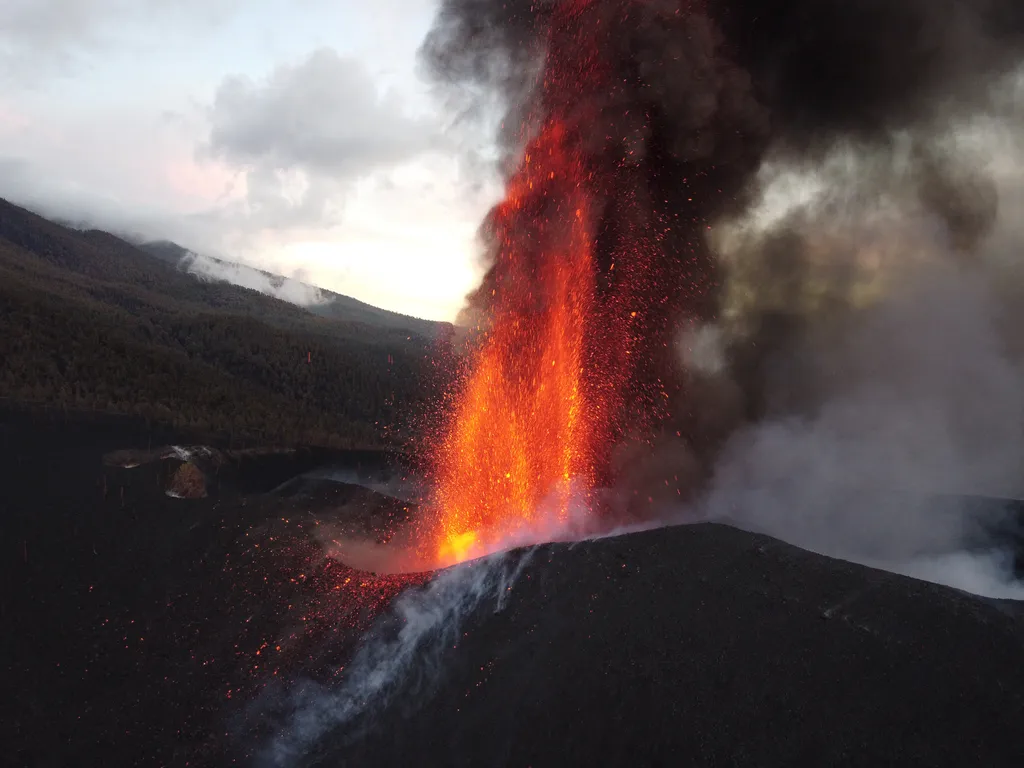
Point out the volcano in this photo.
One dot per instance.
(633, 129)
(531, 617)
(700, 645)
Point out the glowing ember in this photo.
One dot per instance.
(528, 425)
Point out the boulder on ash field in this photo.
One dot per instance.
(187, 482)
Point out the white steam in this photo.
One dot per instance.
(701, 348)
(283, 288)
(428, 622)
(988, 574)
(913, 388)
(399, 485)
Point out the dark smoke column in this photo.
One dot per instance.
(669, 108)
(663, 133)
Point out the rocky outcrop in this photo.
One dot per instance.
(187, 482)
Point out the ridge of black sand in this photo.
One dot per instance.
(706, 645)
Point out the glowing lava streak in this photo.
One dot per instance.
(524, 431)
(521, 434)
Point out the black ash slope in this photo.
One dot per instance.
(133, 621)
(704, 645)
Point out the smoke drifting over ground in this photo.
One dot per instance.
(285, 288)
(402, 650)
(817, 190)
(912, 395)
(893, 369)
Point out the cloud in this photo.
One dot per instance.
(116, 168)
(250, 141)
(306, 132)
(39, 38)
(28, 183)
(323, 114)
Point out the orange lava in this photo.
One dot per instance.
(526, 426)
(521, 434)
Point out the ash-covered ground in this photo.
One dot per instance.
(137, 624)
(704, 645)
(143, 629)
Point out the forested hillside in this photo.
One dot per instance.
(332, 305)
(89, 321)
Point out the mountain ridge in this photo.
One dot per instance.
(88, 320)
(329, 303)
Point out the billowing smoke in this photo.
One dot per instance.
(402, 650)
(662, 127)
(802, 198)
(902, 390)
(292, 290)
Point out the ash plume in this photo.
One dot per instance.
(777, 181)
(668, 131)
(696, 97)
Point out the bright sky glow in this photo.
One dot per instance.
(292, 135)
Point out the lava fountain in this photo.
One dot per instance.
(536, 411)
(635, 126)
(523, 430)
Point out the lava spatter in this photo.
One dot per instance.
(524, 441)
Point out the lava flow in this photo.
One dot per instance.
(524, 439)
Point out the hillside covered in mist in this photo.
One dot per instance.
(91, 322)
(319, 301)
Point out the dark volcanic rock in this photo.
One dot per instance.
(248, 471)
(375, 516)
(705, 645)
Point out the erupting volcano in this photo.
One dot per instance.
(597, 251)
(632, 127)
(531, 424)
(526, 427)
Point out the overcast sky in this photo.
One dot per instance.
(294, 135)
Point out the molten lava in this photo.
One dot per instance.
(524, 439)
(647, 122)
(521, 436)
